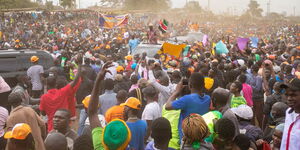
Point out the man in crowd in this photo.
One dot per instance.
(152, 110)
(196, 102)
(106, 138)
(291, 131)
(61, 124)
(36, 73)
(23, 114)
(117, 111)
(57, 98)
(108, 98)
(56, 141)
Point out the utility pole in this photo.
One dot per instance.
(208, 4)
(268, 7)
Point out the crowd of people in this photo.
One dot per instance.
(101, 95)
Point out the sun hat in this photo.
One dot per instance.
(20, 131)
(34, 58)
(243, 111)
(116, 135)
(132, 102)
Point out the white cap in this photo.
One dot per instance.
(243, 111)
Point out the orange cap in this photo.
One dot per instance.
(272, 57)
(132, 102)
(34, 59)
(120, 68)
(128, 57)
(19, 132)
(86, 101)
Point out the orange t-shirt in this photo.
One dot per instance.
(115, 112)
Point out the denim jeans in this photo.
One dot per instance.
(82, 117)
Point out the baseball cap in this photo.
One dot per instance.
(86, 101)
(116, 135)
(120, 68)
(132, 102)
(293, 84)
(20, 131)
(243, 111)
(128, 57)
(34, 58)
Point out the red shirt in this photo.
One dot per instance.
(55, 99)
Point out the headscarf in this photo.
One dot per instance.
(3, 119)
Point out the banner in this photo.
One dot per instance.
(221, 48)
(111, 21)
(172, 49)
(254, 41)
(242, 43)
(204, 40)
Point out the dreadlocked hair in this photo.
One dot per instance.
(194, 129)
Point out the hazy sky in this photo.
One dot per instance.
(231, 6)
(220, 6)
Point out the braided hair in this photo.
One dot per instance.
(194, 129)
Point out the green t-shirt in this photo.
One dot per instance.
(97, 138)
(173, 117)
(237, 101)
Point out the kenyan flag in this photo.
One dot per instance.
(163, 26)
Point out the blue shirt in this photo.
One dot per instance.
(138, 131)
(107, 100)
(189, 104)
(133, 43)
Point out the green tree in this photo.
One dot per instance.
(67, 3)
(254, 9)
(11, 4)
(193, 6)
(49, 5)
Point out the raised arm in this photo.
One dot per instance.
(77, 77)
(94, 101)
(174, 95)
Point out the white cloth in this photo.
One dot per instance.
(113, 71)
(152, 111)
(4, 87)
(101, 118)
(3, 119)
(294, 132)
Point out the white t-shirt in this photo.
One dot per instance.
(152, 111)
(34, 73)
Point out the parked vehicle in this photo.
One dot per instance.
(15, 62)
